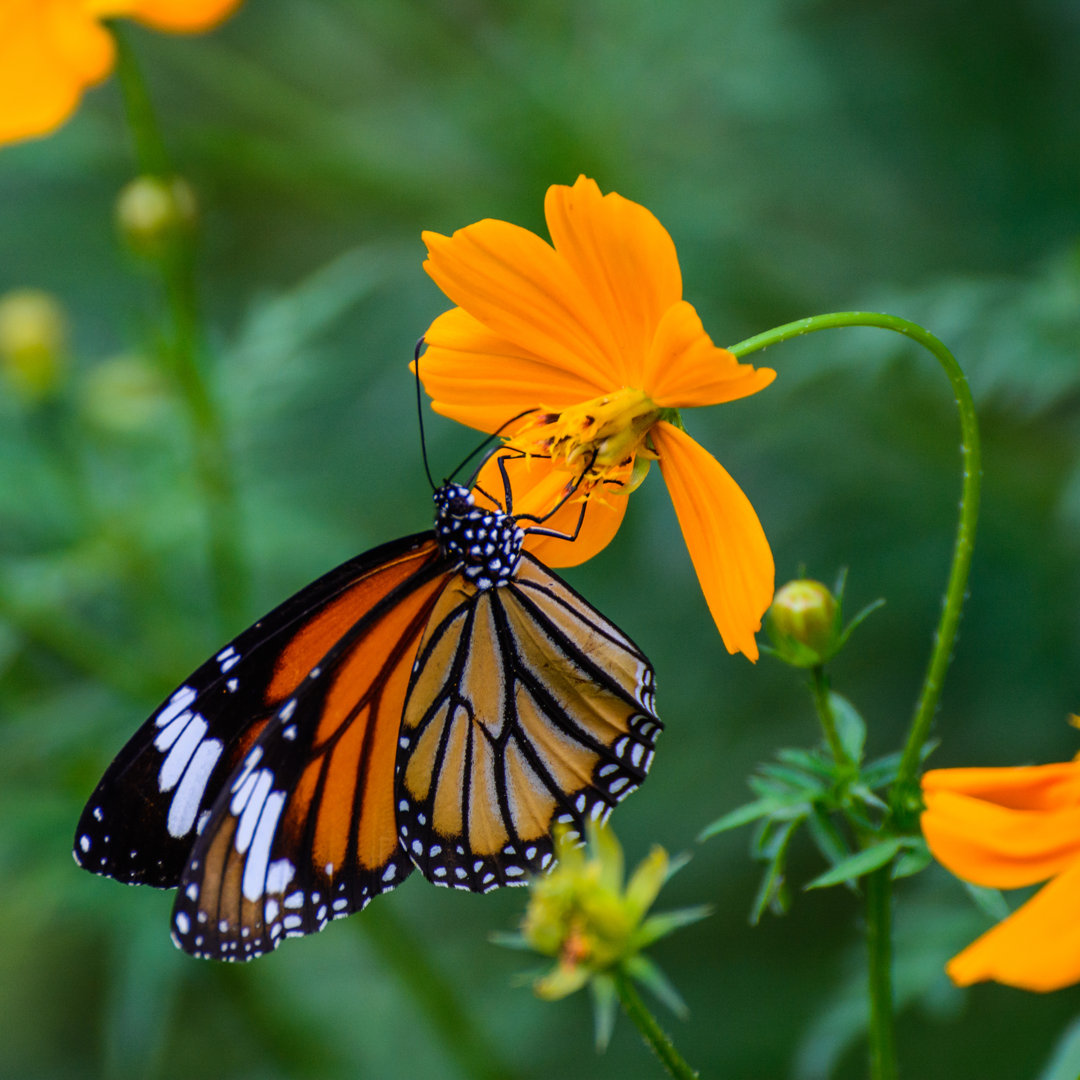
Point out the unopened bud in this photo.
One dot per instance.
(155, 215)
(33, 335)
(802, 623)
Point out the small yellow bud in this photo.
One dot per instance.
(802, 623)
(156, 214)
(33, 335)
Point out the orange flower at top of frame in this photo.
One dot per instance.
(1006, 828)
(52, 50)
(591, 336)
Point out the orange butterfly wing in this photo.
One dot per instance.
(305, 830)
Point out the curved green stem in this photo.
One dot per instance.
(185, 350)
(651, 1031)
(904, 799)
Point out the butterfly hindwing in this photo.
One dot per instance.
(141, 821)
(526, 708)
(304, 829)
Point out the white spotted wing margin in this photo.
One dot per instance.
(527, 708)
(303, 831)
(139, 824)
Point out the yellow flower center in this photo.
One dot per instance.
(597, 441)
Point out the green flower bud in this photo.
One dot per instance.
(33, 336)
(803, 623)
(156, 215)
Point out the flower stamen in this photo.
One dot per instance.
(597, 441)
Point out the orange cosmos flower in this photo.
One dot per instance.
(1006, 828)
(52, 50)
(591, 336)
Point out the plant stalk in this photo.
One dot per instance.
(881, 1032)
(904, 797)
(653, 1034)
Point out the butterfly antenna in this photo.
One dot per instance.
(417, 352)
(494, 435)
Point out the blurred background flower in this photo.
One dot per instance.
(53, 50)
(805, 155)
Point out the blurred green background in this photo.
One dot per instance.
(806, 155)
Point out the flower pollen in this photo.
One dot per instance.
(597, 441)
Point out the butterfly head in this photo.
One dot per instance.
(487, 543)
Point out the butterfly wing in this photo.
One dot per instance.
(141, 821)
(527, 707)
(304, 829)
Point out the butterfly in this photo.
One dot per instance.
(440, 702)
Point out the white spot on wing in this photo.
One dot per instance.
(172, 768)
(254, 880)
(189, 795)
(177, 703)
(250, 817)
(279, 875)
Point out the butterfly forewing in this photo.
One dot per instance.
(526, 708)
(304, 830)
(139, 824)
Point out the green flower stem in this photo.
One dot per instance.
(819, 687)
(434, 995)
(651, 1031)
(904, 798)
(185, 352)
(882, 1036)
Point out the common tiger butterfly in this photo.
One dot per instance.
(441, 701)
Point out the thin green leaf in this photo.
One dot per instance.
(913, 861)
(741, 815)
(605, 1001)
(828, 838)
(987, 900)
(656, 927)
(850, 726)
(809, 761)
(861, 863)
(857, 620)
(882, 771)
(646, 972)
(771, 892)
(796, 779)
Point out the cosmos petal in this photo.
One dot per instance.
(1035, 948)
(1030, 787)
(521, 289)
(684, 368)
(50, 51)
(626, 261)
(726, 542)
(537, 487)
(481, 379)
(998, 846)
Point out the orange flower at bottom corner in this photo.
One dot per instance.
(1006, 828)
(53, 50)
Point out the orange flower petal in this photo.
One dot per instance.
(1035, 948)
(727, 545)
(625, 259)
(175, 16)
(997, 846)
(1031, 787)
(50, 51)
(479, 378)
(685, 368)
(522, 290)
(536, 488)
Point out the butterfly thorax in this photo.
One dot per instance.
(486, 543)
